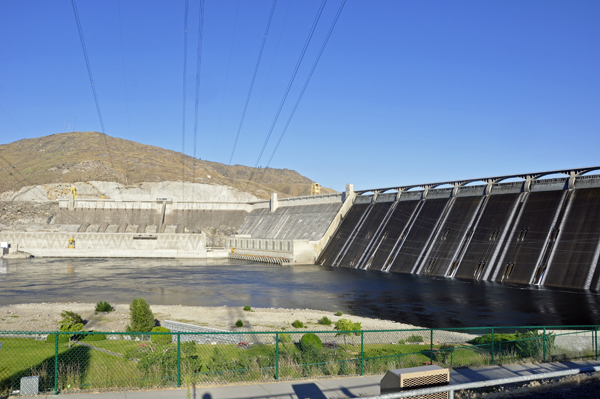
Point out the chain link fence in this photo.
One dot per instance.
(97, 361)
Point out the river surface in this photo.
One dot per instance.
(418, 300)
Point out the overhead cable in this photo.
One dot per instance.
(197, 99)
(262, 46)
(185, 34)
(87, 63)
(312, 70)
(287, 90)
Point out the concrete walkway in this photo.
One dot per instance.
(334, 388)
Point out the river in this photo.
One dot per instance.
(418, 300)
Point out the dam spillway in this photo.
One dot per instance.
(543, 232)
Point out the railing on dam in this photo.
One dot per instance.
(68, 362)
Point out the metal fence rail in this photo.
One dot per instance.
(71, 362)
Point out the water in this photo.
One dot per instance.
(418, 300)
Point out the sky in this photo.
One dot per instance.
(405, 92)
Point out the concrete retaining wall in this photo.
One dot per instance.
(109, 245)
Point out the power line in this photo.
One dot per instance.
(87, 63)
(312, 70)
(123, 65)
(262, 46)
(198, 68)
(185, 34)
(287, 90)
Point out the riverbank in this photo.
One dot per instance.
(46, 317)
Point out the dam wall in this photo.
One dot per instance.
(536, 231)
(107, 245)
(290, 229)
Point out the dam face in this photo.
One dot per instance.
(542, 232)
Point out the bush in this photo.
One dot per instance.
(285, 338)
(524, 344)
(325, 321)
(142, 318)
(103, 306)
(297, 324)
(239, 323)
(62, 338)
(346, 327)
(70, 321)
(310, 341)
(162, 338)
(247, 308)
(94, 337)
(338, 313)
(414, 338)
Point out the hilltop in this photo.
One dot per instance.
(92, 156)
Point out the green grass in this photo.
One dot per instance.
(89, 368)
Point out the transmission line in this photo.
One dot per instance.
(312, 70)
(197, 99)
(185, 39)
(287, 90)
(87, 63)
(262, 46)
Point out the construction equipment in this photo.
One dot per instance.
(74, 192)
(315, 189)
(71, 243)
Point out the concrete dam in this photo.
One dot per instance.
(535, 231)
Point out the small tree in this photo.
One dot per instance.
(347, 326)
(142, 318)
(70, 322)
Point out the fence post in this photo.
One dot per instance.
(277, 356)
(451, 356)
(493, 346)
(178, 359)
(56, 363)
(362, 352)
(431, 345)
(544, 340)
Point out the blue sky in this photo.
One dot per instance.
(406, 91)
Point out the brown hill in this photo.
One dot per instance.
(93, 156)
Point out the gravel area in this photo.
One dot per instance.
(46, 316)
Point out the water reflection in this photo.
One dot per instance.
(418, 300)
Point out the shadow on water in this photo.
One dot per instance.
(418, 300)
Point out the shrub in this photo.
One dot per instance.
(62, 338)
(310, 341)
(161, 338)
(325, 321)
(103, 306)
(338, 313)
(414, 338)
(443, 354)
(285, 338)
(70, 321)
(239, 323)
(142, 318)
(347, 327)
(247, 308)
(297, 324)
(94, 337)
(524, 344)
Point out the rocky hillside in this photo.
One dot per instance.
(92, 156)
